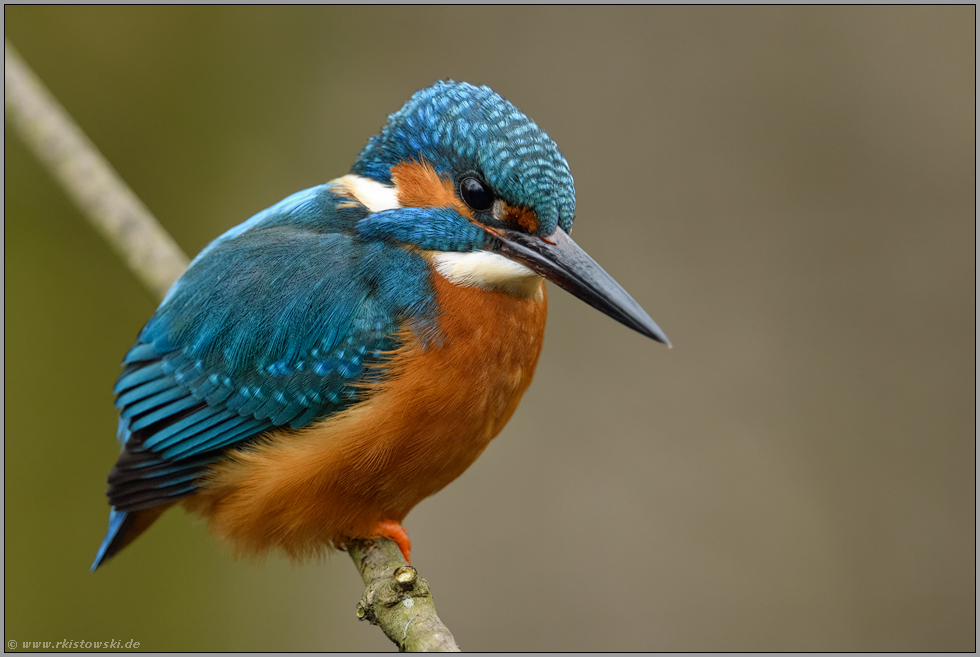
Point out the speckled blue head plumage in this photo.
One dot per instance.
(461, 129)
(291, 319)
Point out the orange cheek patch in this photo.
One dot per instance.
(523, 217)
(419, 186)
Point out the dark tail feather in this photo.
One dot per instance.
(124, 528)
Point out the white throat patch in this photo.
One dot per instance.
(488, 271)
(482, 269)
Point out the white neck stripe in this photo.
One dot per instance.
(371, 194)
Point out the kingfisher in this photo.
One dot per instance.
(323, 367)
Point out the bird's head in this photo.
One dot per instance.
(462, 173)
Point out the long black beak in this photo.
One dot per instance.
(564, 263)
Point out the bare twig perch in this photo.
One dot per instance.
(396, 598)
(90, 181)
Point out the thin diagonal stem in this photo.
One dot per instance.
(90, 181)
(396, 600)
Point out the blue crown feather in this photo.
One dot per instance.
(474, 130)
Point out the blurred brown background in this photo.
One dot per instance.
(788, 191)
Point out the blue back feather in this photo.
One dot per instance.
(279, 321)
(273, 324)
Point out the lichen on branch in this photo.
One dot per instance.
(397, 599)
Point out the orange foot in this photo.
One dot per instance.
(394, 531)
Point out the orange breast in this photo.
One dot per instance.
(302, 491)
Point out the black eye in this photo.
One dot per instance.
(477, 195)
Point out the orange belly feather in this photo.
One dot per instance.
(303, 491)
